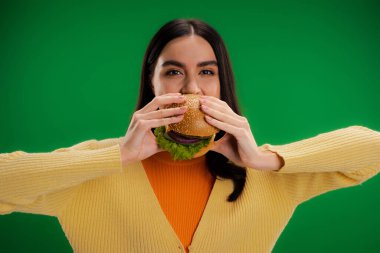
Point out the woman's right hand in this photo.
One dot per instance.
(139, 142)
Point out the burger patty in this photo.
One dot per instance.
(184, 139)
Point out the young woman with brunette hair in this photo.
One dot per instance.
(126, 194)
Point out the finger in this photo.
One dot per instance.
(162, 100)
(234, 120)
(236, 131)
(141, 127)
(216, 100)
(153, 123)
(163, 113)
(221, 111)
(219, 106)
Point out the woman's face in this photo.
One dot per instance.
(187, 65)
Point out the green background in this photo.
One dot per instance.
(69, 72)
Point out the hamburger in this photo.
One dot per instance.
(191, 137)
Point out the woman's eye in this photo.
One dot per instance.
(208, 72)
(173, 72)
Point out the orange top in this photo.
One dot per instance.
(182, 189)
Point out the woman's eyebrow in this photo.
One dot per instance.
(181, 65)
(206, 63)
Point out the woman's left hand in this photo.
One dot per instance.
(238, 144)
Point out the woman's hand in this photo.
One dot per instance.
(139, 141)
(238, 144)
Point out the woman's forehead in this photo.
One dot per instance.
(191, 49)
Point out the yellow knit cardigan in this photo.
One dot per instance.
(103, 207)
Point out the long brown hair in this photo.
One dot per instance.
(217, 163)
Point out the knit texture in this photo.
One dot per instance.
(103, 207)
(182, 189)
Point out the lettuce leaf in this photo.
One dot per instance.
(176, 150)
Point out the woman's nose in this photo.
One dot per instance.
(190, 86)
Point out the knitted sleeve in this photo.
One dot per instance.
(337, 159)
(42, 183)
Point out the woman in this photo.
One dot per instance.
(127, 195)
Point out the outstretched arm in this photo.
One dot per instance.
(43, 182)
(328, 161)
